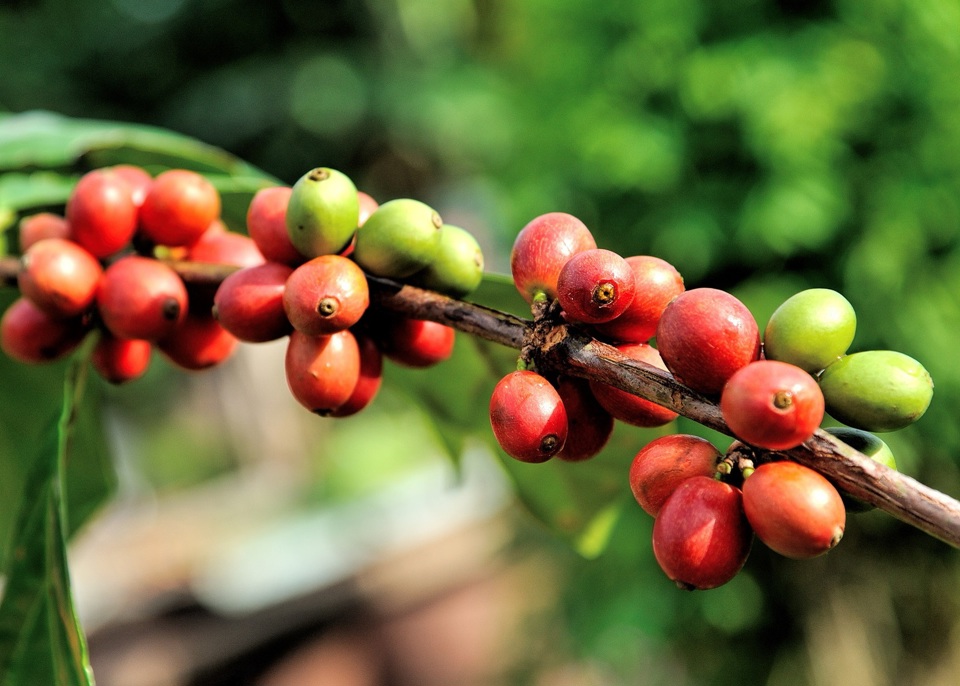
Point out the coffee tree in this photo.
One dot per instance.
(188, 253)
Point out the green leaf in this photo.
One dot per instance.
(41, 640)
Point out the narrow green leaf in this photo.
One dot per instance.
(39, 628)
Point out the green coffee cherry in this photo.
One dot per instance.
(870, 445)
(399, 239)
(457, 268)
(811, 329)
(876, 390)
(322, 213)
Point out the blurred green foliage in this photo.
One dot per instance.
(762, 146)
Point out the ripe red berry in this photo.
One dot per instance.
(322, 371)
(416, 343)
(772, 405)
(326, 294)
(140, 297)
(595, 286)
(701, 538)
(225, 247)
(138, 178)
(249, 303)
(630, 408)
(36, 227)
(267, 225)
(180, 205)
(367, 207)
(30, 335)
(119, 360)
(528, 418)
(589, 425)
(666, 462)
(371, 377)
(101, 212)
(59, 276)
(793, 509)
(541, 249)
(704, 336)
(657, 282)
(198, 343)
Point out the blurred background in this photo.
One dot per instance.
(761, 146)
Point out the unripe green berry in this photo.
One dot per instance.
(322, 212)
(399, 239)
(457, 268)
(810, 329)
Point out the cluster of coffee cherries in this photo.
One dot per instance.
(103, 265)
(107, 264)
(773, 393)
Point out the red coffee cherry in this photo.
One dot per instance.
(701, 538)
(198, 343)
(59, 276)
(326, 294)
(704, 336)
(367, 207)
(138, 178)
(595, 286)
(794, 510)
(180, 205)
(140, 297)
(656, 282)
(666, 462)
(772, 405)
(416, 343)
(541, 249)
(30, 335)
(120, 360)
(371, 377)
(528, 418)
(36, 227)
(267, 225)
(589, 425)
(249, 303)
(630, 408)
(322, 371)
(101, 212)
(225, 247)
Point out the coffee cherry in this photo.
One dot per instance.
(589, 426)
(267, 225)
(656, 282)
(198, 343)
(325, 295)
(30, 335)
(249, 303)
(179, 206)
(628, 407)
(528, 418)
(772, 405)
(810, 329)
(138, 178)
(666, 462)
(225, 247)
(415, 343)
(367, 207)
(322, 371)
(120, 360)
(876, 390)
(541, 249)
(701, 539)
(399, 239)
(595, 286)
(704, 336)
(59, 276)
(873, 447)
(457, 268)
(101, 212)
(140, 297)
(323, 212)
(36, 227)
(794, 510)
(369, 382)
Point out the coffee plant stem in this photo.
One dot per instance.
(559, 348)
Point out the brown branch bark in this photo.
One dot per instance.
(565, 349)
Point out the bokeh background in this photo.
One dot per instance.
(761, 146)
